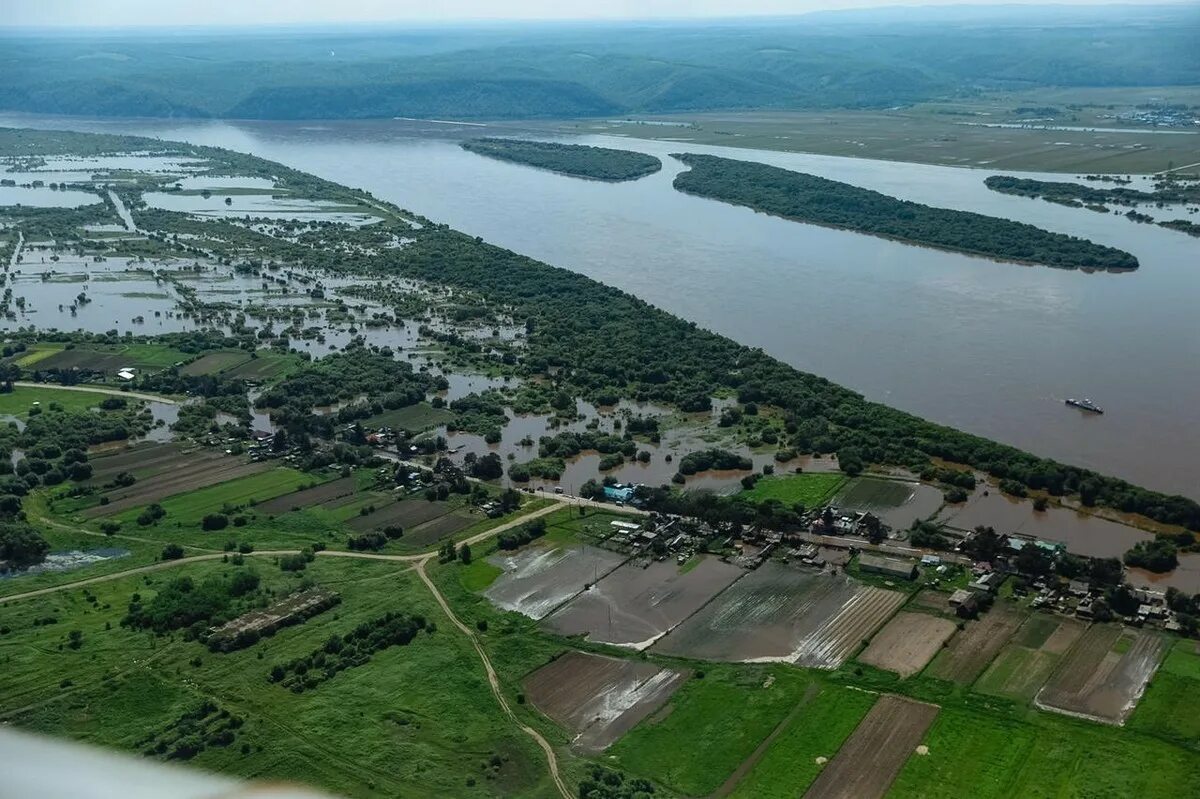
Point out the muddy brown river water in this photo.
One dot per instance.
(988, 347)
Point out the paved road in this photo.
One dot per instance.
(115, 392)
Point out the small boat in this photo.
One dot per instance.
(1085, 405)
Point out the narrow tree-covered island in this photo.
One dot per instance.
(820, 201)
(576, 160)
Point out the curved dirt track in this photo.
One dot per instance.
(420, 560)
(494, 682)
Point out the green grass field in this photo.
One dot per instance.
(987, 756)
(790, 765)
(18, 401)
(810, 488)
(417, 720)
(1171, 705)
(36, 353)
(714, 724)
(414, 418)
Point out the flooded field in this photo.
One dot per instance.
(637, 604)
(897, 503)
(907, 642)
(536, 579)
(56, 562)
(1105, 674)
(788, 614)
(1082, 534)
(598, 699)
(45, 197)
(265, 205)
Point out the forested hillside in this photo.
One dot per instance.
(829, 60)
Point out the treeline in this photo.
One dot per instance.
(601, 342)
(577, 160)
(348, 651)
(343, 377)
(184, 604)
(808, 198)
(1078, 194)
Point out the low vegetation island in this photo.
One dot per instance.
(576, 160)
(820, 201)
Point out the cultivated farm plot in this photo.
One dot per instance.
(637, 604)
(908, 642)
(141, 458)
(786, 614)
(407, 513)
(970, 652)
(1105, 674)
(430, 532)
(176, 479)
(309, 496)
(215, 362)
(598, 699)
(1025, 664)
(868, 762)
(537, 579)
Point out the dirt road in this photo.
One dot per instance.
(494, 681)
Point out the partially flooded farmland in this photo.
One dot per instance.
(788, 614)
(598, 699)
(1105, 674)
(638, 603)
(536, 580)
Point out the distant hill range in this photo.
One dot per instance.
(845, 59)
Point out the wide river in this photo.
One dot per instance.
(992, 348)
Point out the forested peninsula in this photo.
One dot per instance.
(820, 201)
(596, 342)
(576, 160)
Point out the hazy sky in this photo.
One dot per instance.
(252, 12)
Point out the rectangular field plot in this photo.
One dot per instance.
(536, 580)
(433, 531)
(215, 362)
(1104, 675)
(870, 759)
(635, 605)
(796, 751)
(907, 643)
(407, 513)
(1025, 664)
(970, 652)
(598, 699)
(787, 614)
(896, 502)
(309, 496)
(178, 477)
(1171, 705)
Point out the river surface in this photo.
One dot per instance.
(992, 348)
